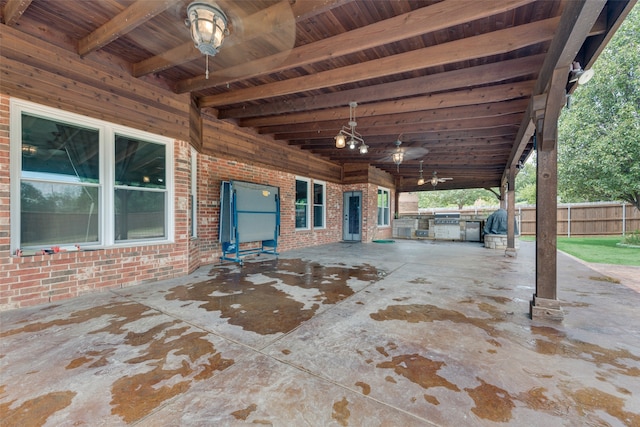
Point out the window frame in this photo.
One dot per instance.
(107, 133)
(307, 205)
(194, 193)
(385, 221)
(323, 205)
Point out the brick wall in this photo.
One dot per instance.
(211, 173)
(32, 280)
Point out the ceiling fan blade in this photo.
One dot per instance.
(412, 153)
(270, 32)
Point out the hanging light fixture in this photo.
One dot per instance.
(421, 179)
(398, 155)
(435, 179)
(208, 27)
(350, 132)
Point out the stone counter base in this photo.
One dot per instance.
(498, 241)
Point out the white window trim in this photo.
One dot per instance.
(388, 207)
(107, 132)
(309, 203)
(194, 193)
(324, 204)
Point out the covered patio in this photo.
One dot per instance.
(119, 132)
(405, 333)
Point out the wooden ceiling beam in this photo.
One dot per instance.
(407, 120)
(471, 156)
(432, 146)
(137, 14)
(415, 23)
(463, 124)
(371, 124)
(479, 102)
(182, 54)
(13, 10)
(408, 136)
(506, 132)
(451, 80)
(480, 46)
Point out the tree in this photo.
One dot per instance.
(599, 137)
(526, 183)
(458, 198)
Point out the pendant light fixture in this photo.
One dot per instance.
(398, 155)
(208, 27)
(421, 179)
(349, 132)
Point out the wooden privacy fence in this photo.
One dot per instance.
(586, 219)
(574, 219)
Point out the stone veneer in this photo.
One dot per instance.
(498, 241)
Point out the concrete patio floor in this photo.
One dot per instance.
(412, 333)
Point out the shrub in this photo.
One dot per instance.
(632, 239)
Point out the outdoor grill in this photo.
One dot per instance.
(447, 226)
(447, 218)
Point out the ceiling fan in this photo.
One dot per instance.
(239, 32)
(435, 179)
(407, 153)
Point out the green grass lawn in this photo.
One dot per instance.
(601, 250)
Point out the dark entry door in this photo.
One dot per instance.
(352, 222)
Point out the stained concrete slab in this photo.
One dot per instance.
(408, 333)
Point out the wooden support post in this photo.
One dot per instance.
(545, 303)
(511, 214)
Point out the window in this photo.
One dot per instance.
(60, 183)
(319, 190)
(140, 187)
(302, 203)
(383, 207)
(85, 182)
(193, 224)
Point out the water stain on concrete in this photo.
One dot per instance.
(135, 396)
(431, 399)
(557, 343)
(341, 412)
(537, 400)
(171, 357)
(35, 411)
(605, 279)
(247, 298)
(243, 414)
(590, 401)
(366, 388)
(414, 313)
(98, 359)
(419, 370)
(421, 281)
(120, 314)
(498, 299)
(492, 402)
(382, 351)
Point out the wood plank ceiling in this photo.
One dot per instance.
(451, 79)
